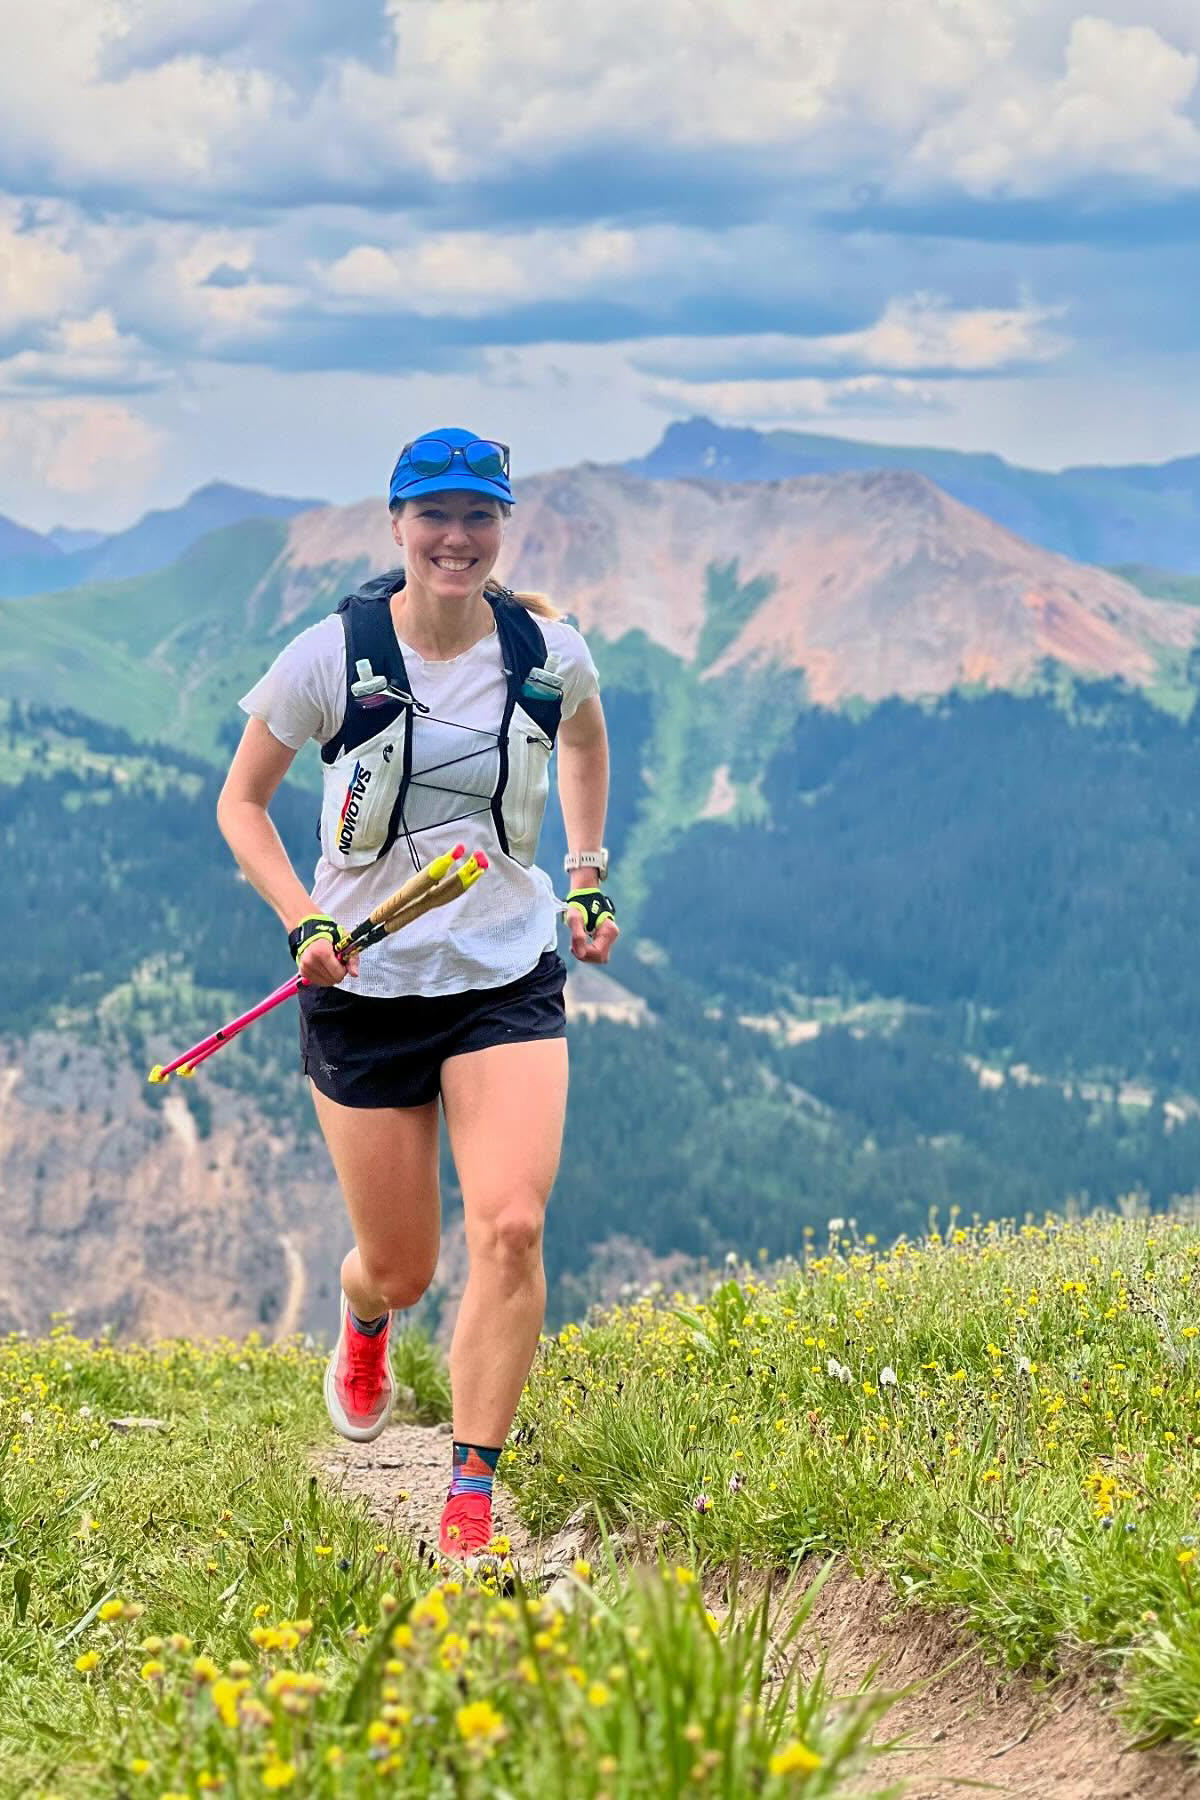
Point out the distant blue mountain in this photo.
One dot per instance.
(1141, 513)
(18, 540)
(155, 541)
(68, 539)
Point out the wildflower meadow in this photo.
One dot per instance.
(1005, 1420)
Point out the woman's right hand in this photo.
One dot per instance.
(311, 941)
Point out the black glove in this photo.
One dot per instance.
(316, 925)
(594, 906)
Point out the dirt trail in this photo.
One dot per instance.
(971, 1728)
(413, 1461)
(293, 1306)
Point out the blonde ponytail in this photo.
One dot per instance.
(541, 604)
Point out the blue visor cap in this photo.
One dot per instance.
(451, 460)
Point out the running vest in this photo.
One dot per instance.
(369, 761)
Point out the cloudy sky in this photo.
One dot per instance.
(267, 244)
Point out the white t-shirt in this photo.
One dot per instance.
(503, 923)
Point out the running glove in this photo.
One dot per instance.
(594, 906)
(316, 925)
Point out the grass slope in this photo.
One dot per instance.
(1006, 1421)
(163, 655)
(184, 1612)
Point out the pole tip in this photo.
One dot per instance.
(185, 1069)
(156, 1074)
(481, 858)
(458, 850)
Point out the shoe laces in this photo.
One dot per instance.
(362, 1379)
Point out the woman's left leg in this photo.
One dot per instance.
(505, 1108)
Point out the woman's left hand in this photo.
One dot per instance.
(591, 947)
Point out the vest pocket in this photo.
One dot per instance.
(528, 784)
(360, 793)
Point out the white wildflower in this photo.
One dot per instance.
(887, 1376)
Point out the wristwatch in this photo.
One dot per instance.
(587, 859)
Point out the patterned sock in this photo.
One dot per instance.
(473, 1469)
(368, 1327)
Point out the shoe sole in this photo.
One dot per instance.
(339, 1418)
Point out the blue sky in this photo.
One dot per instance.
(268, 244)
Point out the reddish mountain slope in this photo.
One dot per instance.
(882, 583)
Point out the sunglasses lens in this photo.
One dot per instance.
(429, 456)
(486, 459)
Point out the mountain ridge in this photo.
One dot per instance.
(879, 582)
(153, 542)
(1095, 513)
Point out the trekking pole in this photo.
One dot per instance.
(390, 917)
(436, 885)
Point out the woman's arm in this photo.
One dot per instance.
(583, 794)
(259, 765)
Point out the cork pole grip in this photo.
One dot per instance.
(413, 888)
(451, 888)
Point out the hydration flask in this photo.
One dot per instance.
(545, 683)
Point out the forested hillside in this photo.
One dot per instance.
(838, 993)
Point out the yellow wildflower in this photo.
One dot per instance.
(87, 1661)
(112, 1609)
(152, 1671)
(205, 1669)
(279, 1775)
(794, 1759)
(225, 1694)
(480, 1722)
(598, 1694)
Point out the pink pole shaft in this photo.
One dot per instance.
(207, 1045)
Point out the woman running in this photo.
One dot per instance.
(437, 696)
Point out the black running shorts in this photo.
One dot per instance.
(365, 1051)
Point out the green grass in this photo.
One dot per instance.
(184, 1611)
(1007, 1423)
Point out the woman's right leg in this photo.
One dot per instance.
(386, 1161)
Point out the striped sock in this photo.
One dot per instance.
(473, 1469)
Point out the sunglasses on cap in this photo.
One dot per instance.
(431, 456)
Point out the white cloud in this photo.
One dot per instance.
(925, 332)
(37, 275)
(470, 274)
(80, 354)
(770, 402)
(915, 332)
(1117, 108)
(77, 448)
(982, 92)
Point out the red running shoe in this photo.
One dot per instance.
(466, 1527)
(360, 1389)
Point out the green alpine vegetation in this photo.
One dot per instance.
(923, 995)
(1005, 1420)
(1001, 1420)
(184, 1612)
